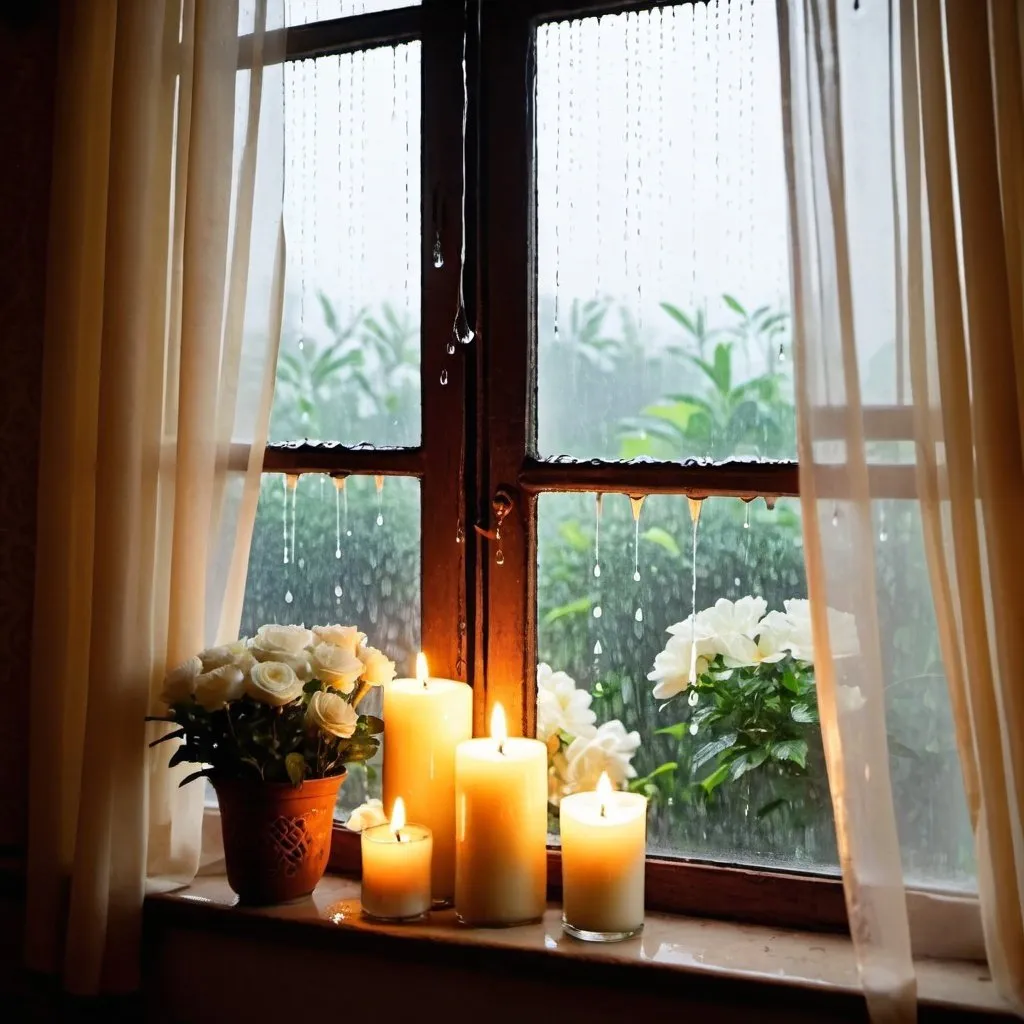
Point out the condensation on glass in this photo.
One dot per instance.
(349, 364)
(323, 553)
(303, 12)
(604, 628)
(663, 268)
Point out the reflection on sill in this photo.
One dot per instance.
(669, 946)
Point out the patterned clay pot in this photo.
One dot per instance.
(277, 838)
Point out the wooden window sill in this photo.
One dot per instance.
(705, 959)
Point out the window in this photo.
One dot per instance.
(522, 500)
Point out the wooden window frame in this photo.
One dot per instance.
(478, 433)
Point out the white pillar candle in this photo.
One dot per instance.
(425, 719)
(604, 840)
(501, 798)
(396, 869)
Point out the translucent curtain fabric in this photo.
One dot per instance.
(163, 321)
(953, 159)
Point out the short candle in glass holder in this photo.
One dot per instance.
(604, 840)
(396, 869)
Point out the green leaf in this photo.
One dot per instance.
(711, 750)
(803, 713)
(791, 683)
(746, 762)
(636, 785)
(772, 806)
(313, 686)
(571, 533)
(373, 725)
(715, 779)
(580, 606)
(664, 539)
(679, 316)
(790, 750)
(192, 778)
(734, 305)
(678, 413)
(634, 446)
(295, 766)
(677, 731)
(723, 367)
(177, 734)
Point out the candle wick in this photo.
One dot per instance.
(398, 836)
(501, 747)
(604, 811)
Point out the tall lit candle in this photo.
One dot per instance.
(501, 800)
(425, 719)
(604, 839)
(396, 869)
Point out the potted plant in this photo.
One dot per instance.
(272, 721)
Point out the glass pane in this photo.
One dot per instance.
(349, 367)
(302, 12)
(663, 265)
(353, 557)
(606, 630)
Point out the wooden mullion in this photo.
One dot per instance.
(327, 457)
(507, 250)
(442, 501)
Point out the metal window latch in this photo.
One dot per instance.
(501, 505)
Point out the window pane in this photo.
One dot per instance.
(663, 266)
(349, 367)
(302, 12)
(606, 631)
(374, 582)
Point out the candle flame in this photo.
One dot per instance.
(604, 791)
(398, 818)
(421, 668)
(499, 728)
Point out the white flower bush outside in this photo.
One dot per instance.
(579, 750)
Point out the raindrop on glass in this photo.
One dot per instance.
(693, 698)
(337, 590)
(460, 535)
(639, 616)
(380, 519)
(597, 534)
(597, 611)
(288, 597)
(736, 581)
(597, 571)
(598, 649)
(438, 253)
(835, 516)
(444, 377)
(636, 575)
(450, 348)
(693, 728)
(378, 482)
(782, 353)
(461, 330)
(746, 517)
(499, 558)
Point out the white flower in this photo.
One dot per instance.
(366, 816)
(562, 707)
(378, 668)
(285, 644)
(774, 632)
(850, 698)
(336, 667)
(273, 683)
(730, 627)
(672, 665)
(557, 786)
(842, 631)
(180, 683)
(329, 713)
(348, 638)
(216, 688)
(609, 750)
(236, 653)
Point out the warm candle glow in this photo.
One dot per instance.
(604, 791)
(398, 818)
(421, 668)
(499, 729)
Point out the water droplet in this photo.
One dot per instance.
(288, 597)
(693, 728)
(693, 698)
(460, 535)
(337, 552)
(597, 571)
(302, 563)
(499, 558)
(380, 519)
(598, 649)
(746, 517)
(451, 348)
(302, 344)
(883, 536)
(597, 611)
(782, 353)
(438, 252)
(770, 501)
(636, 575)
(348, 533)
(639, 616)
(337, 590)
(461, 330)
(835, 517)
(444, 376)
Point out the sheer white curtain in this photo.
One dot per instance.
(163, 320)
(906, 241)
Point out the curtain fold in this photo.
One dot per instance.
(954, 258)
(163, 321)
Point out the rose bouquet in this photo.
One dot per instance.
(579, 750)
(748, 676)
(281, 706)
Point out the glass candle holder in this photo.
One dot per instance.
(396, 872)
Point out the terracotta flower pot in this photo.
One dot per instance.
(277, 838)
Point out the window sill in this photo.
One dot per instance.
(711, 961)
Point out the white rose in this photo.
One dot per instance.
(730, 626)
(609, 750)
(329, 713)
(774, 633)
(842, 632)
(286, 644)
(216, 688)
(366, 816)
(348, 638)
(561, 706)
(850, 698)
(671, 674)
(180, 683)
(273, 683)
(336, 667)
(378, 668)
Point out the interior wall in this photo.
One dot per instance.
(28, 63)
